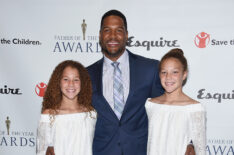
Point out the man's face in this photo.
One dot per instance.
(113, 37)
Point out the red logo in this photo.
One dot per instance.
(202, 40)
(40, 89)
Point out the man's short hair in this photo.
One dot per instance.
(114, 13)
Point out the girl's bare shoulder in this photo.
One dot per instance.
(156, 99)
(47, 111)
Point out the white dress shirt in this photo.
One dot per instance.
(107, 77)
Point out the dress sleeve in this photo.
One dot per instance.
(198, 133)
(45, 136)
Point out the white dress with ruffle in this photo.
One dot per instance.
(69, 134)
(172, 127)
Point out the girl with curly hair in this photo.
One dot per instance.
(68, 119)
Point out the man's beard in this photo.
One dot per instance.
(113, 55)
(110, 54)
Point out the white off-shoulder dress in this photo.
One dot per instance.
(69, 134)
(172, 127)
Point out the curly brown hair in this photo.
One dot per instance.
(53, 95)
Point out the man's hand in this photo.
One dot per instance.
(190, 150)
(50, 150)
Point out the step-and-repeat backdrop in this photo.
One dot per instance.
(36, 35)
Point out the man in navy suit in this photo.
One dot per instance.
(125, 134)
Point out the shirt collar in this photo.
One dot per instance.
(122, 59)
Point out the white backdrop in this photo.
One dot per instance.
(36, 35)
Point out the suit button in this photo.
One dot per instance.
(120, 124)
(119, 143)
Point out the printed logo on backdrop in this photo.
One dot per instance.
(13, 138)
(203, 39)
(84, 26)
(40, 89)
(84, 43)
(217, 96)
(7, 91)
(148, 44)
(220, 147)
(19, 41)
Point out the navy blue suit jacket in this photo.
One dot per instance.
(127, 136)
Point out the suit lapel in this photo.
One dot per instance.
(99, 76)
(132, 80)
